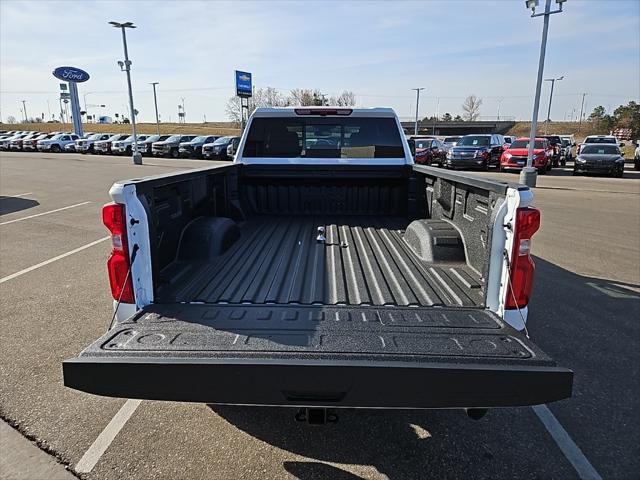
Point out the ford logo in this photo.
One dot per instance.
(71, 74)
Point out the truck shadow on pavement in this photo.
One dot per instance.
(401, 444)
(15, 204)
(587, 324)
(591, 325)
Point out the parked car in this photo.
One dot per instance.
(193, 148)
(451, 141)
(508, 139)
(567, 149)
(608, 139)
(5, 142)
(87, 145)
(320, 275)
(217, 150)
(429, 151)
(571, 139)
(70, 147)
(16, 143)
(233, 146)
(600, 158)
(31, 144)
(556, 143)
(515, 157)
(144, 147)
(103, 147)
(56, 143)
(476, 151)
(125, 147)
(170, 146)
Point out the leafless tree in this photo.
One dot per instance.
(262, 97)
(302, 97)
(346, 99)
(233, 109)
(269, 97)
(11, 119)
(471, 107)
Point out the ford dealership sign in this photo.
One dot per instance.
(71, 74)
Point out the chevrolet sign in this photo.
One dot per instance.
(243, 84)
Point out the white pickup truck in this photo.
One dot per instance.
(322, 269)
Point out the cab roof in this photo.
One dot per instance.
(323, 111)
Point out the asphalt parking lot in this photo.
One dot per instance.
(584, 313)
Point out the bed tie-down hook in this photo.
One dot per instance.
(322, 238)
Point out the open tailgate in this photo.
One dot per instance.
(319, 356)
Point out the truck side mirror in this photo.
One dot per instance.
(412, 146)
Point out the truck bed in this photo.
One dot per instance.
(364, 261)
(271, 316)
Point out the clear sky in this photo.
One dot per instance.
(379, 50)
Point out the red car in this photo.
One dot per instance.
(515, 157)
(429, 151)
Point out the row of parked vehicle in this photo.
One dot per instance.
(597, 154)
(214, 147)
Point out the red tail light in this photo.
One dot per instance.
(115, 219)
(522, 266)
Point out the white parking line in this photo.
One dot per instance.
(568, 447)
(18, 195)
(51, 260)
(100, 445)
(44, 213)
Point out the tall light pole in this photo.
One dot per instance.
(553, 82)
(581, 110)
(86, 111)
(499, 103)
(24, 109)
(435, 120)
(528, 175)
(155, 102)
(137, 158)
(415, 129)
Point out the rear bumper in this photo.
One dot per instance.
(363, 384)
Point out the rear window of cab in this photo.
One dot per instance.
(324, 137)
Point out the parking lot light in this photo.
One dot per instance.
(155, 102)
(528, 175)
(553, 82)
(126, 66)
(415, 129)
